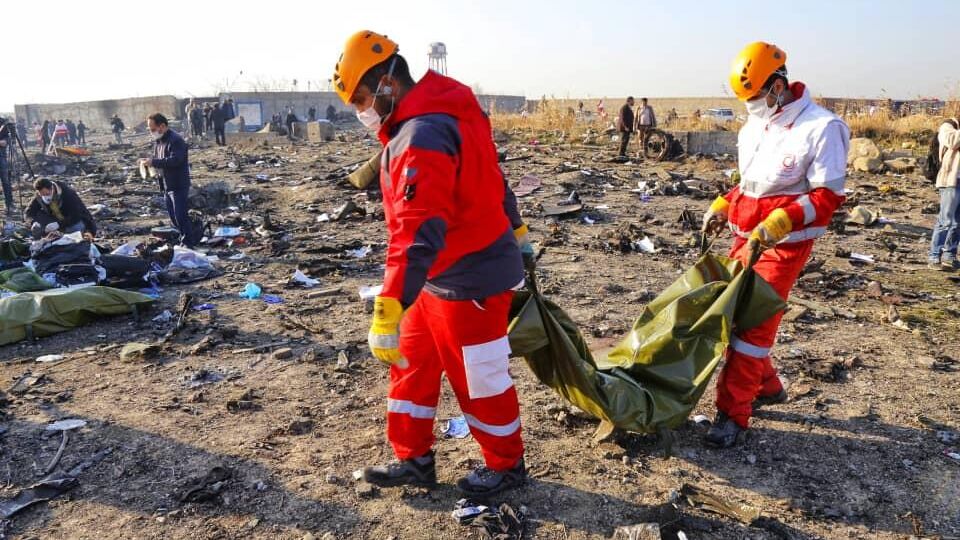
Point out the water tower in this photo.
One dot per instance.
(438, 57)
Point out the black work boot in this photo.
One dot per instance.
(724, 432)
(484, 481)
(773, 399)
(419, 471)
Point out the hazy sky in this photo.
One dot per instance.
(61, 51)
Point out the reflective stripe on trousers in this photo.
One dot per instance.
(748, 371)
(466, 342)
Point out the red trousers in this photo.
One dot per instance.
(467, 341)
(748, 372)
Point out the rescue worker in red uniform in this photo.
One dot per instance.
(792, 162)
(453, 262)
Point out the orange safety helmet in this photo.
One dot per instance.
(362, 51)
(753, 66)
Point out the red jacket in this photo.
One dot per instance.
(444, 197)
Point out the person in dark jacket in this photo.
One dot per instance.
(57, 207)
(625, 125)
(173, 167)
(5, 184)
(207, 121)
(81, 132)
(289, 121)
(118, 128)
(219, 119)
(45, 135)
(71, 131)
(331, 113)
(196, 122)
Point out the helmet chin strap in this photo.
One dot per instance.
(386, 91)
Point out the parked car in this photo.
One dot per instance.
(721, 116)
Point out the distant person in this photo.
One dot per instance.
(44, 136)
(580, 109)
(37, 132)
(196, 122)
(646, 122)
(312, 114)
(60, 134)
(50, 125)
(946, 232)
(331, 113)
(601, 110)
(207, 121)
(697, 114)
(625, 126)
(71, 131)
(172, 162)
(5, 184)
(57, 207)
(188, 117)
(22, 131)
(289, 122)
(219, 120)
(117, 125)
(672, 115)
(81, 132)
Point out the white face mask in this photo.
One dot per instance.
(156, 135)
(758, 107)
(370, 117)
(46, 198)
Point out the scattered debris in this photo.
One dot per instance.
(66, 425)
(642, 531)
(700, 497)
(137, 351)
(501, 523)
(50, 487)
(207, 487)
(456, 428)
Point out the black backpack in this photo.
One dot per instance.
(932, 165)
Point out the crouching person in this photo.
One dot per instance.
(57, 207)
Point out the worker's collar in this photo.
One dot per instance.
(788, 114)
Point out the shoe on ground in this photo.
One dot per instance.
(483, 481)
(951, 265)
(934, 264)
(773, 399)
(724, 432)
(420, 471)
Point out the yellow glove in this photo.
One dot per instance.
(520, 233)
(772, 229)
(384, 336)
(716, 216)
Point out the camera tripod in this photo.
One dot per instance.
(14, 160)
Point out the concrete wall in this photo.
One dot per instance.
(707, 142)
(97, 114)
(502, 104)
(270, 103)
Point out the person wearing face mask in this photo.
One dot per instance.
(453, 260)
(171, 161)
(57, 207)
(792, 162)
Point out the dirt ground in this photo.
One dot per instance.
(857, 452)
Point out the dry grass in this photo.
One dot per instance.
(884, 128)
(556, 120)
